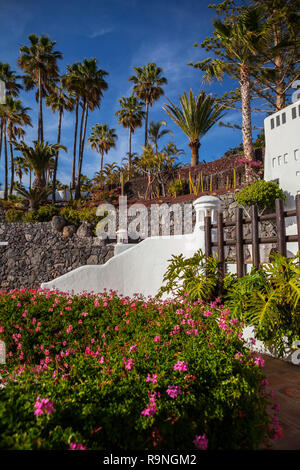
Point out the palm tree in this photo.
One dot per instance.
(39, 62)
(59, 101)
(34, 196)
(111, 172)
(74, 89)
(13, 115)
(21, 167)
(102, 139)
(12, 88)
(40, 158)
(148, 87)
(240, 42)
(155, 132)
(90, 81)
(196, 116)
(131, 117)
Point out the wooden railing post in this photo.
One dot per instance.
(298, 220)
(221, 257)
(280, 223)
(239, 242)
(207, 234)
(255, 240)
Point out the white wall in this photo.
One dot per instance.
(282, 153)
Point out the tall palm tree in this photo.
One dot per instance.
(21, 167)
(148, 83)
(241, 42)
(102, 139)
(155, 132)
(59, 101)
(196, 116)
(14, 116)
(12, 88)
(91, 83)
(74, 86)
(40, 158)
(39, 62)
(131, 117)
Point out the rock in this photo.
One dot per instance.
(85, 230)
(68, 231)
(93, 259)
(58, 223)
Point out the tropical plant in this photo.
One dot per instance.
(89, 83)
(34, 196)
(148, 83)
(39, 62)
(102, 139)
(240, 40)
(59, 101)
(197, 276)
(269, 299)
(156, 133)
(21, 167)
(39, 157)
(196, 116)
(13, 116)
(131, 117)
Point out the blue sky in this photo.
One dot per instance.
(121, 34)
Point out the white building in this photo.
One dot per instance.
(282, 154)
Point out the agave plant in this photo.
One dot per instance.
(34, 196)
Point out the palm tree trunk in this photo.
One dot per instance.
(75, 145)
(56, 157)
(5, 164)
(40, 119)
(246, 118)
(195, 145)
(12, 163)
(1, 137)
(129, 155)
(81, 148)
(146, 123)
(30, 174)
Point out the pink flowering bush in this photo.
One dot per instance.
(107, 382)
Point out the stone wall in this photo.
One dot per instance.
(36, 253)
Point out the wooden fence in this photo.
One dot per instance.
(281, 239)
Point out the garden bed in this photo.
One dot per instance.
(108, 372)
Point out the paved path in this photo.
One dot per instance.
(284, 379)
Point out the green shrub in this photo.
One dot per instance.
(29, 217)
(263, 193)
(178, 188)
(269, 299)
(76, 216)
(45, 213)
(198, 276)
(127, 374)
(13, 215)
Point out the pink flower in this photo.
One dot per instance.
(173, 391)
(150, 410)
(43, 405)
(156, 339)
(74, 446)
(69, 329)
(181, 366)
(238, 356)
(128, 363)
(152, 379)
(201, 442)
(207, 313)
(133, 348)
(259, 361)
